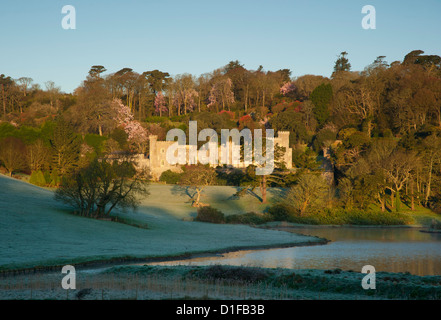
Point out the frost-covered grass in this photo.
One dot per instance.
(220, 282)
(35, 230)
(219, 197)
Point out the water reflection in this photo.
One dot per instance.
(394, 250)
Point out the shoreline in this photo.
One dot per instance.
(431, 231)
(220, 282)
(97, 264)
(288, 225)
(282, 226)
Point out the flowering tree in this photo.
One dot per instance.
(230, 114)
(160, 106)
(288, 88)
(184, 100)
(212, 97)
(221, 93)
(136, 134)
(247, 121)
(189, 100)
(184, 93)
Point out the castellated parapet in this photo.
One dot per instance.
(157, 162)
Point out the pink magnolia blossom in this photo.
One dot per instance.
(191, 102)
(185, 99)
(287, 88)
(137, 135)
(160, 106)
(221, 93)
(212, 97)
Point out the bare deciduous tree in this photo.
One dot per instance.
(13, 154)
(100, 187)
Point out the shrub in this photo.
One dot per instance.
(246, 274)
(156, 119)
(345, 133)
(387, 133)
(323, 138)
(210, 214)
(27, 134)
(95, 141)
(37, 178)
(120, 136)
(435, 224)
(435, 203)
(230, 177)
(357, 139)
(178, 118)
(183, 127)
(279, 212)
(170, 177)
(47, 177)
(248, 218)
(360, 217)
(6, 130)
(55, 179)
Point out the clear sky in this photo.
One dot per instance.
(198, 36)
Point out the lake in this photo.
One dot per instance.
(387, 249)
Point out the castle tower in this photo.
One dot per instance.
(283, 141)
(153, 152)
(283, 138)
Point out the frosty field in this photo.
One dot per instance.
(37, 231)
(218, 282)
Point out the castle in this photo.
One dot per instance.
(157, 162)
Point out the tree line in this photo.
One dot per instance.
(378, 128)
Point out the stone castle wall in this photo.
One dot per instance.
(157, 162)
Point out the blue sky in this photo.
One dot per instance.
(202, 35)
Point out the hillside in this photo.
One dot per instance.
(38, 231)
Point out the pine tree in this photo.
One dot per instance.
(66, 148)
(342, 63)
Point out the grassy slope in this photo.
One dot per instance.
(221, 197)
(422, 216)
(35, 230)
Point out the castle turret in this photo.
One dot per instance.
(153, 156)
(283, 141)
(283, 138)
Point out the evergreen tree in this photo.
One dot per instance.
(37, 178)
(66, 148)
(342, 63)
(321, 97)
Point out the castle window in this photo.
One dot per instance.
(162, 150)
(162, 163)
